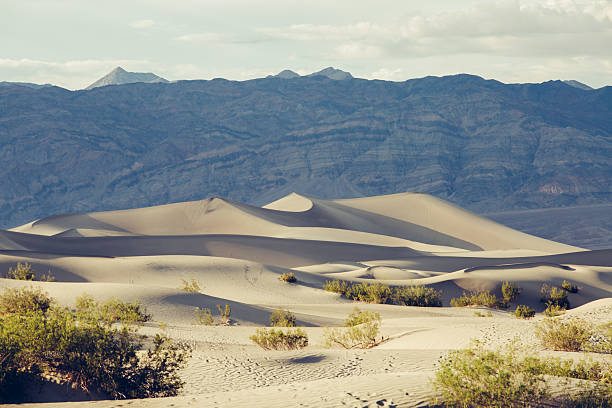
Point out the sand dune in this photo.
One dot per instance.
(236, 253)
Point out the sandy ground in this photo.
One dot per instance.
(236, 253)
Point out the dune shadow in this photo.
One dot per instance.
(313, 358)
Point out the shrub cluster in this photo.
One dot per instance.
(553, 310)
(479, 314)
(476, 377)
(276, 339)
(573, 335)
(510, 291)
(288, 277)
(362, 329)
(112, 311)
(40, 340)
(205, 317)
(569, 286)
(282, 318)
(192, 286)
(476, 298)
(552, 295)
(415, 295)
(25, 272)
(524, 312)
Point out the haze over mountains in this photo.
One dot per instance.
(482, 144)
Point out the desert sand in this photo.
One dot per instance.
(237, 252)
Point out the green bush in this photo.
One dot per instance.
(553, 310)
(204, 316)
(474, 298)
(564, 335)
(112, 311)
(552, 295)
(476, 377)
(192, 286)
(510, 291)
(224, 315)
(282, 318)
(362, 329)
(569, 286)
(22, 272)
(288, 277)
(273, 339)
(24, 301)
(524, 312)
(85, 351)
(417, 295)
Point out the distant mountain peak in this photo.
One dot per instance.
(119, 76)
(285, 74)
(576, 84)
(332, 73)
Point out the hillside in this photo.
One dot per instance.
(481, 144)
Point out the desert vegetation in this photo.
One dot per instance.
(42, 341)
(513, 378)
(510, 291)
(555, 296)
(414, 295)
(282, 318)
(24, 271)
(288, 277)
(204, 316)
(361, 331)
(276, 339)
(574, 334)
(524, 312)
(191, 285)
(569, 286)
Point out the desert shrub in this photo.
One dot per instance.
(479, 314)
(204, 316)
(476, 377)
(224, 314)
(288, 277)
(336, 286)
(552, 295)
(591, 396)
(112, 311)
(510, 291)
(374, 293)
(85, 352)
(482, 298)
(24, 301)
(601, 340)
(553, 310)
(21, 272)
(362, 329)
(192, 286)
(276, 339)
(569, 286)
(282, 318)
(524, 312)
(564, 335)
(417, 295)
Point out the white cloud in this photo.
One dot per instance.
(199, 37)
(142, 24)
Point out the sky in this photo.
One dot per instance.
(71, 43)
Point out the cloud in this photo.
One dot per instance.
(142, 24)
(200, 37)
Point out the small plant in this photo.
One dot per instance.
(276, 339)
(510, 291)
(524, 312)
(224, 314)
(22, 272)
(192, 286)
(483, 298)
(204, 316)
(569, 286)
(47, 277)
(24, 301)
(362, 329)
(553, 310)
(417, 295)
(479, 314)
(552, 295)
(570, 335)
(282, 318)
(336, 286)
(288, 277)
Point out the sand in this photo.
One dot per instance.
(236, 253)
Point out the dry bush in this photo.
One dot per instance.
(524, 312)
(569, 286)
(564, 335)
(362, 329)
(288, 277)
(204, 317)
(414, 295)
(479, 314)
(554, 310)
(510, 291)
(282, 318)
(273, 339)
(192, 286)
(417, 295)
(22, 272)
(552, 295)
(112, 311)
(476, 298)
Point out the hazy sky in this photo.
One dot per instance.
(73, 42)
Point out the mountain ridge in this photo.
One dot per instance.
(120, 76)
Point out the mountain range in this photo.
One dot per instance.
(482, 144)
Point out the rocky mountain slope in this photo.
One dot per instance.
(120, 76)
(482, 144)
